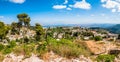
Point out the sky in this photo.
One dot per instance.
(62, 11)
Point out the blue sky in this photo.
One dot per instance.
(62, 11)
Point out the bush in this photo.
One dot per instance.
(26, 40)
(105, 58)
(7, 50)
(41, 48)
(97, 38)
(87, 34)
(24, 49)
(1, 47)
(28, 49)
(12, 44)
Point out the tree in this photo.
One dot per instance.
(118, 36)
(24, 18)
(3, 30)
(87, 34)
(26, 40)
(97, 38)
(39, 32)
(14, 28)
(76, 34)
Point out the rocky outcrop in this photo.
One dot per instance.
(49, 57)
(13, 58)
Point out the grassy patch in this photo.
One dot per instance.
(67, 48)
(24, 49)
(105, 58)
(63, 47)
(7, 50)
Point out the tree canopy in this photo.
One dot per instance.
(3, 30)
(39, 31)
(24, 18)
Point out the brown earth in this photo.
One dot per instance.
(95, 48)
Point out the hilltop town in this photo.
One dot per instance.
(21, 42)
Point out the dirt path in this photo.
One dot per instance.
(95, 48)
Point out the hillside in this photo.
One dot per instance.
(21, 42)
(114, 29)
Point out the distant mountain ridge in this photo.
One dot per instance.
(80, 25)
(115, 29)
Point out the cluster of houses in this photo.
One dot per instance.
(76, 32)
(106, 35)
(24, 32)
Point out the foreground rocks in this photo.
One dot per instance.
(49, 57)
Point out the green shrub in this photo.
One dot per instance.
(7, 50)
(12, 44)
(97, 38)
(28, 49)
(26, 40)
(105, 58)
(41, 48)
(1, 47)
(87, 34)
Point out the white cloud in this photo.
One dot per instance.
(103, 0)
(68, 8)
(110, 4)
(59, 6)
(17, 1)
(70, 5)
(81, 5)
(66, 1)
(78, 4)
(113, 10)
(113, 5)
(1, 17)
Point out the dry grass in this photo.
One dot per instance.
(1, 57)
